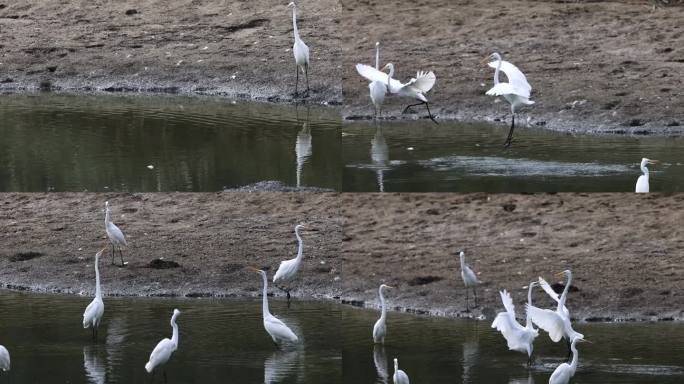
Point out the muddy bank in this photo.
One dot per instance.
(624, 250)
(204, 242)
(239, 49)
(599, 66)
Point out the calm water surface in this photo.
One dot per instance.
(106, 143)
(422, 156)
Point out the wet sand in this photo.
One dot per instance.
(624, 249)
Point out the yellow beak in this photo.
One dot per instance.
(253, 269)
(486, 59)
(653, 162)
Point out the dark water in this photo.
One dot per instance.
(106, 143)
(219, 341)
(449, 157)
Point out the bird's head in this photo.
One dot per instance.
(565, 273)
(292, 5)
(385, 286)
(257, 270)
(534, 283)
(645, 162)
(377, 44)
(176, 312)
(461, 254)
(389, 66)
(304, 227)
(493, 56)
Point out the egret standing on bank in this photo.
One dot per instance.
(377, 87)
(565, 371)
(399, 377)
(300, 50)
(469, 279)
(519, 338)
(288, 269)
(116, 237)
(278, 331)
(94, 311)
(380, 329)
(162, 352)
(4, 359)
(516, 91)
(642, 182)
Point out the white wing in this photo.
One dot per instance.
(286, 270)
(278, 330)
(160, 354)
(508, 302)
(423, 82)
(501, 89)
(470, 276)
(549, 291)
(515, 77)
(93, 311)
(115, 234)
(373, 74)
(4, 359)
(642, 185)
(547, 320)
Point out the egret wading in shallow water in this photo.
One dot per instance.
(414, 88)
(4, 359)
(116, 237)
(279, 332)
(469, 279)
(94, 311)
(399, 377)
(642, 182)
(519, 338)
(288, 269)
(377, 87)
(516, 91)
(164, 349)
(565, 371)
(301, 52)
(556, 323)
(380, 328)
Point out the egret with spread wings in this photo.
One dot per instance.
(519, 338)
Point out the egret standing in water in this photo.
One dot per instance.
(516, 91)
(288, 269)
(414, 88)
(94, 311)
(380, 328)
(377, 87)
(565, 371)
(399, 377)
(300, 50)
(116, 237)
(4, 359)
(469, 279)
(162, 352)
(279, 332)
(519, 338)
(642, 182)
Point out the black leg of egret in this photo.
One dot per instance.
(411, 105)
(152, 378)
(165, 376)
(475, 293)
(121, 254)
(306, 72)
(510, 133)
(529, 361)
(567, 342)
(430, 114)
(467, 306)
(112, 253)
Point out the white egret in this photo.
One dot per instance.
(556, 323)
(565, 371)
(414, 88)
(94, 311)
(303, 150)
(300, 50)
(516, 91)
(380, 328)
(642, 182)
(4, 359)
(162, 352)
(288, 269)
(377, 87)
(519, 338)
(399, 377)
(116, 237)
(278, 331)
(469, 279)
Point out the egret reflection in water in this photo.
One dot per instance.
(380, 361)
(379, 156)
(94, 364)
(303, 147)
(280, 366)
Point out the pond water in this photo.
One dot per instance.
(449, 157)
(54, 142)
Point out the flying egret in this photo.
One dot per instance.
(162, 352)
(565, 371)
(380, 329)
(300, 50)
(399, 377)
(94, 311)
(516, 91)
(288, 269)
(414, 88)
(4, 359)
(519, 338)
(377, 87)
(279, 332)
(116, 237)
(642, 182)
(556, 323)
(469, 279)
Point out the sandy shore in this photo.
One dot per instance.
(232, 48)
(624, 249)
(599, 66)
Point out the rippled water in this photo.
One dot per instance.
(140, 143)
(422, 156)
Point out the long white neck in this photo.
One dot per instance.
(301, 244)
(294, 21)
(644, 170)
(391, 73)
(174, 336)
(377, 56)
(529, 303)
(265, 296)
(107, 216)
(564, 296)
(396, 365)
(575, 357)
(98, 293)
(496, 72)
(383, 313)
(462, 261)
